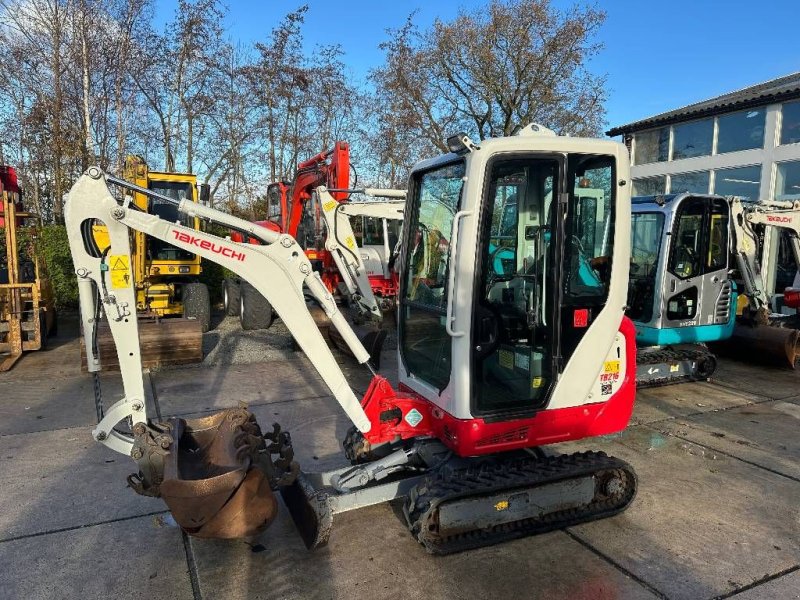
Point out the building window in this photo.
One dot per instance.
(742, 130)
(650, 186)
(790, 127)
(787, 184)
(692, 139)
(741, 181)
(696, 183)
(651, 146)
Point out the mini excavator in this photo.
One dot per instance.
(505, 346)
(688, 253)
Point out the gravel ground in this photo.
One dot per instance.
(228, 344)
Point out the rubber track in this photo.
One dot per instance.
(421, 508)
(668, 355)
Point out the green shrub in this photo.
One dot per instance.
(50, 243)
(53, 247)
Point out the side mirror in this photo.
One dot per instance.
(205, 194)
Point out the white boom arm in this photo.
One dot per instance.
(341, 242)
(744, 215)
(278, 270)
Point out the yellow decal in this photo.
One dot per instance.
(674, 368)
(611, 366)
(536, 382)
(502, 505)
(120, 270)
(329, 205)
(350, 242)
(506, 359)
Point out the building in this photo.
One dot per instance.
(744, 143)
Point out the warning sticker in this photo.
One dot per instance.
(537, 382)
(413, 417)
(523, 361)
(350, 242)
(611, 366)
(120, 269)
(506, 359)
(329, 205)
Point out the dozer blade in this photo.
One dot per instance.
(778, 346)
(209, 472)
(311, 511)
(169, 341)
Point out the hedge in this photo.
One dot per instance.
(52, 245)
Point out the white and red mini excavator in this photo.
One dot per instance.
(512, 336)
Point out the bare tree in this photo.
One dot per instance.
(492, 70)
(177, 66)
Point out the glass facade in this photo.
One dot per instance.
(652, 146)
(742, 130)
(790, 124)
(692, 139)
(650, 186)
(696, 182)
(741, 181)
(787, 183)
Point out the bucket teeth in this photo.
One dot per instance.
(215, 473)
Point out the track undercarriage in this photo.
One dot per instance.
(673, 364)
(453, 504)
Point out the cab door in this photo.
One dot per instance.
(697, 289)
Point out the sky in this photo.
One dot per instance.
(657, 55)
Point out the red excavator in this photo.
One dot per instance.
(290, 210)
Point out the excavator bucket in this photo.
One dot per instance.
(778, 346)
(371, 335)
(213, 473)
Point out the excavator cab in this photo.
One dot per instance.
(496, 308)
(680, 294)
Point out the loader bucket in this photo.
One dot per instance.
(777, 346)
(210, 482)
(169, 341)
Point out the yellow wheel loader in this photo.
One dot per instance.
(167, 277)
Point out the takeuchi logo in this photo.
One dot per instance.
(206, 245)
(776, 219)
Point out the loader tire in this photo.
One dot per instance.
(42, 329)
(53, 331)
(197, 304)
(255, 311)
(230, 297)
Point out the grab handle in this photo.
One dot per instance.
(451, 283)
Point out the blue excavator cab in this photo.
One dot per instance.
(680, 295)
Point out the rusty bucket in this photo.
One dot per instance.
(206, 471)
(778, 346)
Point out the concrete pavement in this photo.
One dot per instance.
(717, 514)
